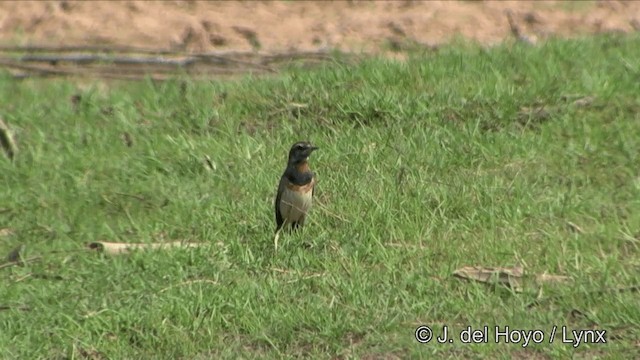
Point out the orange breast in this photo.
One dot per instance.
(302, 188)
(295, 202)
(303, 167)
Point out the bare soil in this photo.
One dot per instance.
(301, 26)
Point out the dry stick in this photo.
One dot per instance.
(126, 49)
(88, 59)
(113, 248)
(89, 48)
(40, 71)
(117, 73)
(136, 50)
(225, 59)
(100, 75)
(14, 64)
(220, 58)
(224, 55)
(188, 62)
(274, 58)
(122, 70)
(257, 61)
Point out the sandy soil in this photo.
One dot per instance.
(285, 26)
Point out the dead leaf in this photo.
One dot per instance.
(113, 248)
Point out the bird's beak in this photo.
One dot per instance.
(311, 149)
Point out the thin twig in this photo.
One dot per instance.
(41, 71)
(125, 61)
(90, 58)
(87, 48)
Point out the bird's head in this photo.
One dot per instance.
(300, 151)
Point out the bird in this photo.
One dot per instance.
(296, 188)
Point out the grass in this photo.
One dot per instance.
(462, 157)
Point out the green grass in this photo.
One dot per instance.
(425, 166)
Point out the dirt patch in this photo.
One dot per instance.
(284, 26)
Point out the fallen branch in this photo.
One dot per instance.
(90, 58)
(113, 248)
(114, 62)
(42, 71)
(86, 48)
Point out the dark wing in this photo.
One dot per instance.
(279, 219)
